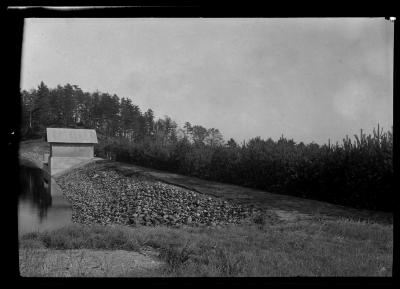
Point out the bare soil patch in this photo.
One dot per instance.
(86, 263)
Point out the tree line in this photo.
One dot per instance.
(111, 116)
(357, 172)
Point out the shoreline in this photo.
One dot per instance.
(182, 207)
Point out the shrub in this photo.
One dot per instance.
(356, 173)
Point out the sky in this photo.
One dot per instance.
(308, 79)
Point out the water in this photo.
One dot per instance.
(41, 206)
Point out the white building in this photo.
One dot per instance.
(69, 147)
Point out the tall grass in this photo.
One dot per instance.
(357, 172)
(316, 248)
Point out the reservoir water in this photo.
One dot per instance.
(41, 206)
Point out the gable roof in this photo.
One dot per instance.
(71, 135)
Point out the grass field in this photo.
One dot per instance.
(306, 248)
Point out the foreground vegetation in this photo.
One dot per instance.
(305, 248)
(357, 172)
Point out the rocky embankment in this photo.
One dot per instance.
(102, 195)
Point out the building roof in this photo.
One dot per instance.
(71, 135)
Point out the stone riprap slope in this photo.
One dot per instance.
(102, 195)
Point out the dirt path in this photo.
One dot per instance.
(282, 205)
(32, 152)
(86, 263)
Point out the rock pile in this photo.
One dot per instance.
(101, 195)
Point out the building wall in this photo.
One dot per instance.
(71, 150)
(62, 164)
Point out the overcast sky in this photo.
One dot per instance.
(308, 79)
